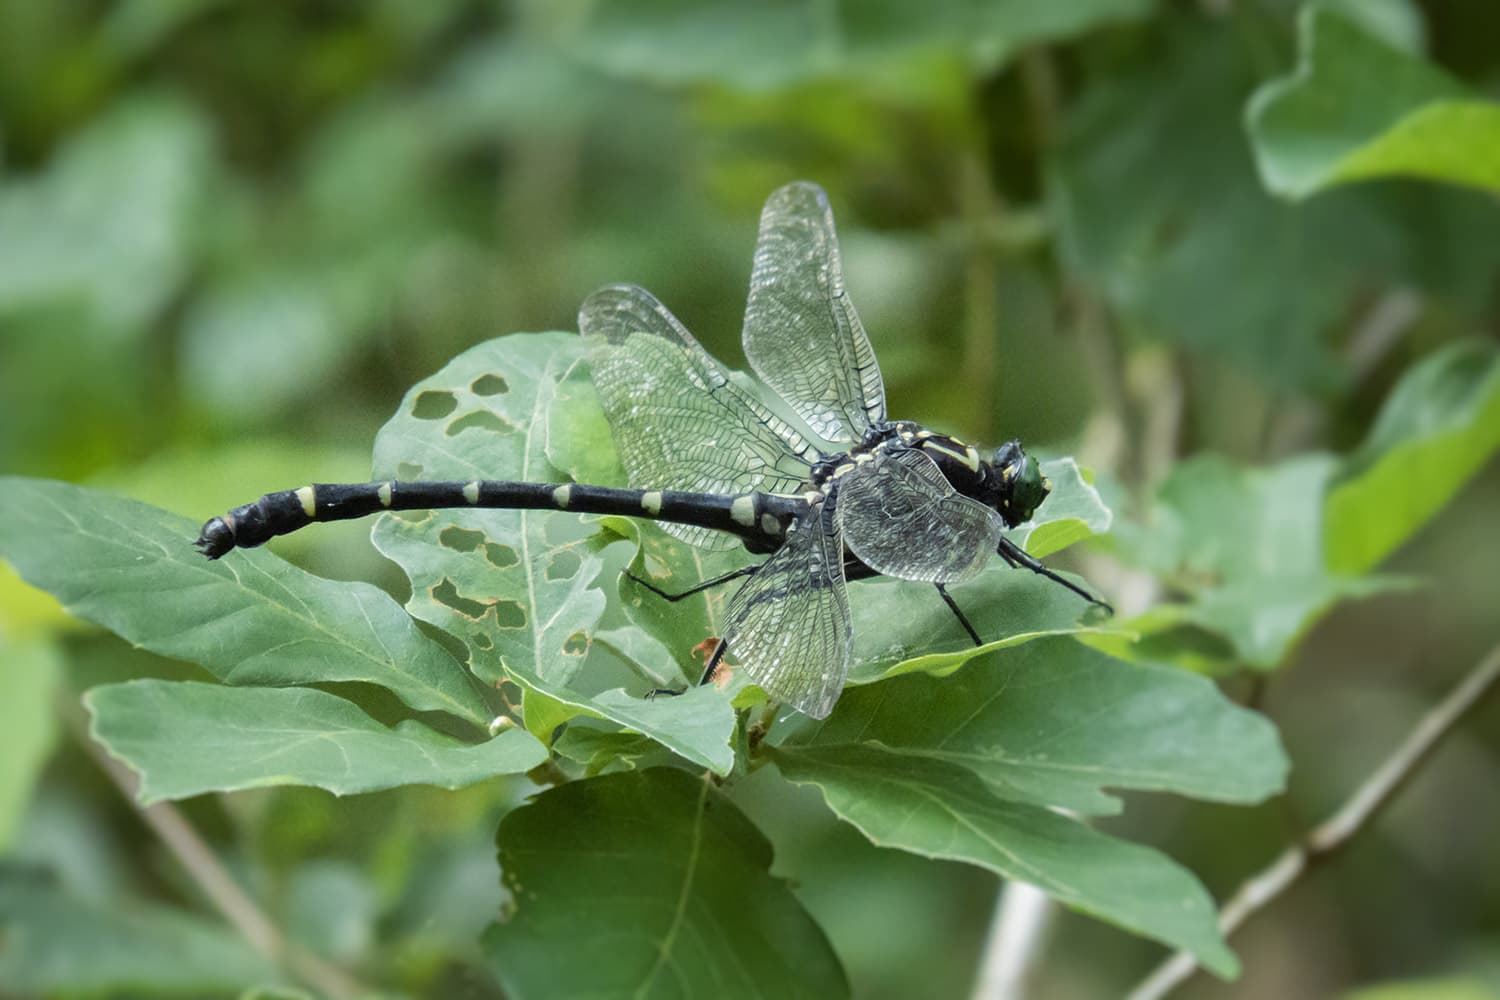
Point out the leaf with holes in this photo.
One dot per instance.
(524, 589)
(249, 618)
(652, 885)
(517, 586)
(186, 738)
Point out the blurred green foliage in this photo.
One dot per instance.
(232, 234)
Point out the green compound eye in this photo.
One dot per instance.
(1029, 488)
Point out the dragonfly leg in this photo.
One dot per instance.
(713, 662)
(708, 671)
(958, 613)
(697, 589)
(1017, 556)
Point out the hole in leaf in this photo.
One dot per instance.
(563, 565)
(576, 644)
(434, 404)
(483, 641)
(500, 556)
(461, 539)
(509, 614)
(408, 470)
(412, 516)
(482, 420)
(446, 593)
(489, 385)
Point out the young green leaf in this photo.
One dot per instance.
(1355, 109)
(696, 725)
(249, 618)
(1246, 546)
(942, 810)
(1439, 427)
(185, 738)
(1072, 512)
(651, 885)
(1054, 723)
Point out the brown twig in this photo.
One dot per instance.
(1335, 832)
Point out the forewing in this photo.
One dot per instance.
(901, 517)
(678, 421)
(788, 627)
(802, 335)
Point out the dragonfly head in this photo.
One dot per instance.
(1022, 485)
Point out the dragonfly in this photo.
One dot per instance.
(832, 492)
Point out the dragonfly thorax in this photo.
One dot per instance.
(1010, 482)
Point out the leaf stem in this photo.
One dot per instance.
(213, 879)
(1334, 833)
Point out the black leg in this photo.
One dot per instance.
(698, 589)
(708, 671)
(713, 662)
(1016, 556)
(957, 613)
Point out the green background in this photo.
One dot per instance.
(232, 234)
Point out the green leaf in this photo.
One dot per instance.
(1191, 248)
(185, 738)
(1356, 109)
(57, 944)
(1246, 546)
(1437, 429)
(600, 749)
(1425, 989)
(108, 224)
(249, 618)
(29, 670)
(903, 627)
(941, 810)
(1054, 722)
(778, 43)
(649, 884)
(578, 439)
(697, 724)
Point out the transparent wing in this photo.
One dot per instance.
(901, 517)
(789, 625)
(801, 333)
(678, 422)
